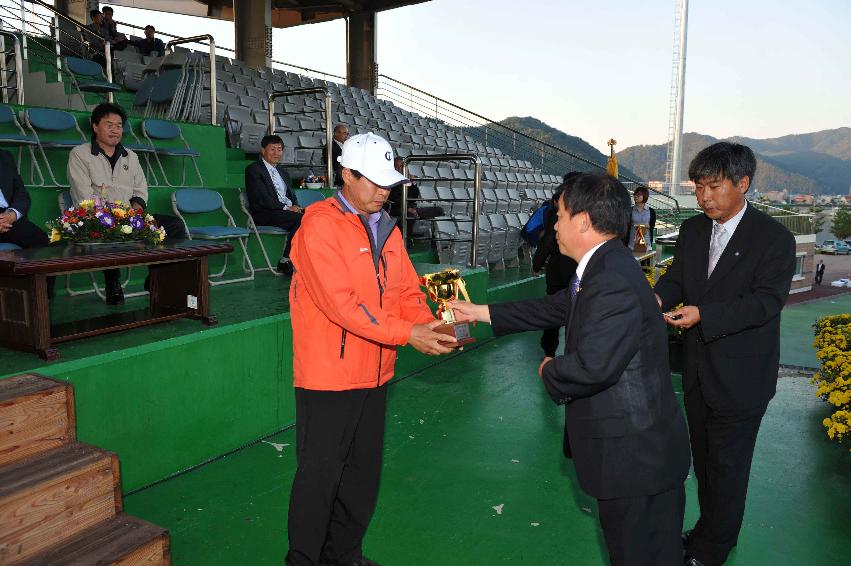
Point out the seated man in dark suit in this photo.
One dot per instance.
(394, 202)
(15, 227)
(623, 424)
(341, 134)
(150, 45)
(271, 200)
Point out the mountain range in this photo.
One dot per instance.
(812, 163)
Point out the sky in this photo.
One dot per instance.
(597, 70)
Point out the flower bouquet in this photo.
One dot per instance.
(313, 182)
(110, 222)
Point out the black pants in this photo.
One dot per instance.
(283, 219)
(646, 530)
(174, 230)
(25, 234)
(819, 276)
(722, 446)
(339, 444)
(549, 339)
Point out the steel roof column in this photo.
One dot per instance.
(252, 25)
(362, 69)
(76, 9)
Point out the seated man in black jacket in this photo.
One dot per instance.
(394, 203)
(271, 199)
(15, 227)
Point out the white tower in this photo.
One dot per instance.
(675, 114)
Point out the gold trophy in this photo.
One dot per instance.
(443, 287)
(640, 241)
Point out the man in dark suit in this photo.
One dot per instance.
(732, 270)
(15, 227)
(625, 428)
(341, 134)
(271, 199)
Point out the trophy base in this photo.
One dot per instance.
(458, 330)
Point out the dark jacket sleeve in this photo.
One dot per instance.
(609, 335)
(261, 196)
(652, 223)
(16, 194)
(769, 292)
(670, 285)
(535, 314)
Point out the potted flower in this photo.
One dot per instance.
(313, 182)
(92, 223)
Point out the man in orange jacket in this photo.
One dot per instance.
(354, 299)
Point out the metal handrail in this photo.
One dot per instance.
(19, 70)
(671, 201)
(274, 95)
(477, 192)
(194, 39)
(55, 37)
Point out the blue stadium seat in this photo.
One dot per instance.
(187, 202)
(165, 131)
(60, 127)
(87, 76)
(8, 247)
(13, 135)
(261, 230)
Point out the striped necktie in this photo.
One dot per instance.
(716, 247)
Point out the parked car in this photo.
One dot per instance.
(835, 247)
(841, 283)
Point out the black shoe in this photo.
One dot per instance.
(285, 266)
(686, 535)
(692, 561)
(114, 292)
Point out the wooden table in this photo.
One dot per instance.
(178, 289)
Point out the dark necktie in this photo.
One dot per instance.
(574, 287)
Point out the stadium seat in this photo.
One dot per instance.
(13, 135)
(203, 202)
(4, 247)
(259, 231)
(59, 127)
(165, 131)
(87, 76)
(306, 197)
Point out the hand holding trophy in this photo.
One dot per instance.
(443, 287)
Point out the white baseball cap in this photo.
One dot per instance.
(372, 156)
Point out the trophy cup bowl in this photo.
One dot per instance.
(443, 287)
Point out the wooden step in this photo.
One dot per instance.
(36, 415)
(122, 540)
(52, 498)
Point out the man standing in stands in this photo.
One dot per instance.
(355, 298)
(104, 169)
(624, 426)
(732, 270)
(150, 45)
(558, 267)
(116, 39)
(96, 38)
(271, 199)
(15, 227)
(341, 134)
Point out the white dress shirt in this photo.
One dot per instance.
(730, 227)
(583, 263)
(280, 186)
(5, 204)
